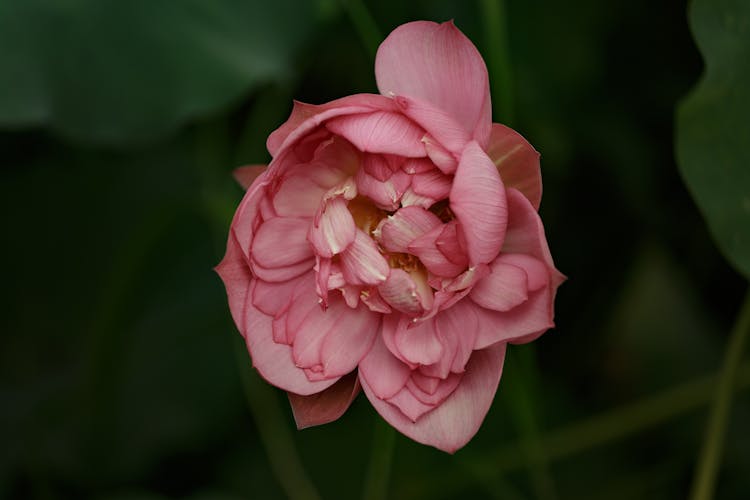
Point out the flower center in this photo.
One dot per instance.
(365, 214)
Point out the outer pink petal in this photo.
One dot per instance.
(517, 161)
(478, 200)
(274, 361)
(452, 424)
(235, 274)
(519, 325)
(246, 175)
(325, 406)
(306, 117)
(437, 122)
(385, 374)
(437, 64)
(380, 132)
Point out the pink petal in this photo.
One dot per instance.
(405, 293)
(385, 374)
(384, 194)
(503, 289)
(246, 175)
(519, 325)
(306, 117)
(478, 200)
(410, 198)
(437, 122)
(449, 242)
(380, 132)
(312, 331)
(274, 361)
(437, 64)
(362, 263)
(282, 242)
(443, 388)
(273, 298)
(451, 425)
(459, 324)
(351, 339)
(298, 196)
(418, 343)
(433, 184)
(376, 166)
(334, 230)
(247, 218)
(397, 231)
(517, 161)
(417, 165)
(409, 406)
(441, 157)
(425, 247)
(235, 273)
(279, 274)
(325, 406)
(525, 233)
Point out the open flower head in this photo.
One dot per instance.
(393, 244)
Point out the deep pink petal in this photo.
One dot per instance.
(362, 263)
(246, 175)
(397, 231)
(325, 406)
(282, 242)
(517, 161)
(274, 361)
(452, 424)
(478, 200)
(380, 132)
(385, 374)
(437, 64)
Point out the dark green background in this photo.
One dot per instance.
(121, 374)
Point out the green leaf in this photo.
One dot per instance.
(113, 72)
(713, 129)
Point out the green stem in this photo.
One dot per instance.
(376, 482)
(366, 27)
(498, 59)
(713, 443)
(522, 407)
(275, 436)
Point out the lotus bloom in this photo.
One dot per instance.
(393, 244)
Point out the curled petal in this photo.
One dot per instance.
(440, 157)
(325, 406)
(453, 423)
(517, 161)
(425, 247)
(437, 122)
(380, 132)
(438, 65)
(478, 200)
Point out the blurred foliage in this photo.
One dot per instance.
(119, 371)
(713, 127)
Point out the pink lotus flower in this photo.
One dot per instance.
(393, 242)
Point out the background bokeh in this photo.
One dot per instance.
(121, 373)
